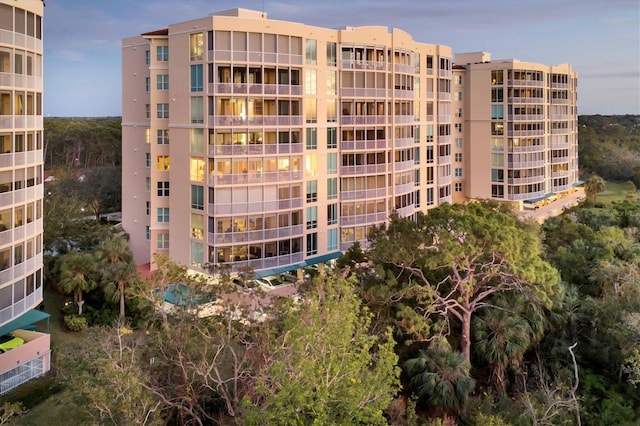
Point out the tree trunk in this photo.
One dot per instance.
(466, 334)
(121, 288)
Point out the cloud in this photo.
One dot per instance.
(70, 55)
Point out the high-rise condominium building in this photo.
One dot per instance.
(254, 142)
(21, 192)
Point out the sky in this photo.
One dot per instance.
(599, 38)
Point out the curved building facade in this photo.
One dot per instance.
(21, 187)
(274, 145)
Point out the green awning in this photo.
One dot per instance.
(537, 200)
(25, 320)
(282, 269)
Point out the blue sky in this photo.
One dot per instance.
(599, 38)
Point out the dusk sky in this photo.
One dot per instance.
(599, 38)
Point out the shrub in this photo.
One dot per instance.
(75, 322)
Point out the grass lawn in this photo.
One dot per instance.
(614, 191)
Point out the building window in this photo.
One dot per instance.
(497, 112)
(147, 84)
(497, 77)
(332, 239)
(197, 78)
(332, 188)
(311, 82)
(197, 226)
(312, 217)
(164, 163)
(497, 159)
(312, 244)
(312, 191)
(148, 208)
(459, 113)
(331, 54)
(458, 157)
(332, 214)
(196, 46)
(458, 96)
(163, 189)
(197, 197)
(458, 142)
(416, 155)
(332, 163)
(458, 172)
(163, 215)
(497, 175)
(147, 232)
(457, 186)
(162, 111)
(311, 53)
(458, 79)
(163, 242)
(496, 94)
(147, 57)
(497, 191)
(196, 140)
(162, 82)
(196, 169)
(147, 111)
(429, 196)
(162, 136)
(312, 138)
(429, 154)
(147, 160)
(162, 53)
(497, 129)
(332, 137)
(416, 177)
(148, 184)
(197, 254)
(458, 127)
(197, 110)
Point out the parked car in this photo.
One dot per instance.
(288, 277)
(9, 341)
(268, 283)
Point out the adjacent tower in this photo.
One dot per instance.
(21, 190)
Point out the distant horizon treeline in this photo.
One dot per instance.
(82, 143)
(609, 145)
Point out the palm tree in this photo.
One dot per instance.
(77, 275)
(118, 268)
(593, 186)
(440, 377)
(501, 339)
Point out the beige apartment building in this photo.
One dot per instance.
(21, 191)
(254, 142)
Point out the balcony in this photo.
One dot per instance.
(363, 219)
(255, 178)
(364, 194)
(363, 119)
(255, 89)
(364, 170)
(256, 120)
(359, 92)
(359, 64)
(255, 235)
(21, 364)
(363, 145)
(260, 57)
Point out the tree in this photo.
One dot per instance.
(113, 386)
(323, 366)
(501, 338)
(458, 256)
(594, 185)
(77, 275)
(440, 377)
(118, 268)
